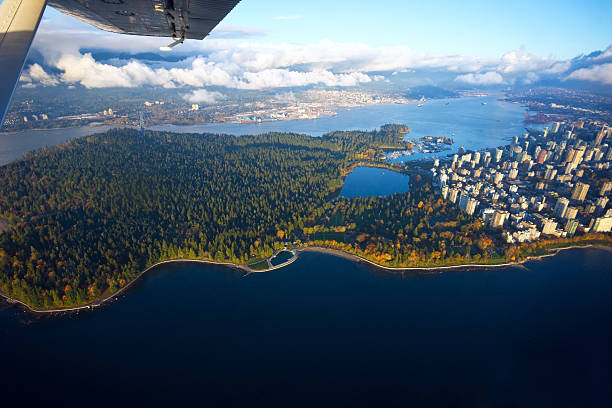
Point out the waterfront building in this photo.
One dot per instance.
(549, 227)
(602, 224)
(498, 154)
(570, 227)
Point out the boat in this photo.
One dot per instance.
(420, 105)
(483, 103)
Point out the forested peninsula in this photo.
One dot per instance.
(87, 217)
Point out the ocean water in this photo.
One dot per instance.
(14, 145)
(328, 331)
(470, 123)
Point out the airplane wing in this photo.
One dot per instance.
(179, 19)
(160, 18)
(18, 23)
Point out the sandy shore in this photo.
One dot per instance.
(329, 251)
(120, 291)
(357, 258)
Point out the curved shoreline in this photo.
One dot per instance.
(357, 258)
(297, 251)
(113, 295)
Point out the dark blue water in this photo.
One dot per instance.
(370, 181)
(327, 331)
(281, 258)
(475, 126)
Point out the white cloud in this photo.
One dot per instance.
(522, 61)
(488, 78)
(86, 71)
(597, 73)
(36, 74)
(606, 54)
(248, 64)
(203, 96)
(292, 17)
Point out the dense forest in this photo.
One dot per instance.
(86, 217)
(89, 215)
(416, 228)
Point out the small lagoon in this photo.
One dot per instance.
(371, 181)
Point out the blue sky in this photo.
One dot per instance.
(266, 44)
(561, 29)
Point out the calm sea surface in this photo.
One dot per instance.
(475, 126)
(328, 331)
(325, 330)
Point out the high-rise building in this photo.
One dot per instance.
(541, 156)
(549, 227)
(471, 207)
(601, 203)
(561, 207)
(600, 136)
(602, 224)
(577, 157)
(570, 227)
(452, 194)
(463, 200)
(513, 174)
(444, 191)
(498, 154)
(550, 173)
(555, 127)
(571, 213)
(580, 191)
(499, 218)
(487, 159)
(607, 186)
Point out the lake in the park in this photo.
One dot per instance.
(372, 181)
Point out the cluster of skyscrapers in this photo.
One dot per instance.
(554, 182)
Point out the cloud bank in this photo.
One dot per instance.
(488, 78)
(598, 73)
(248, 64)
